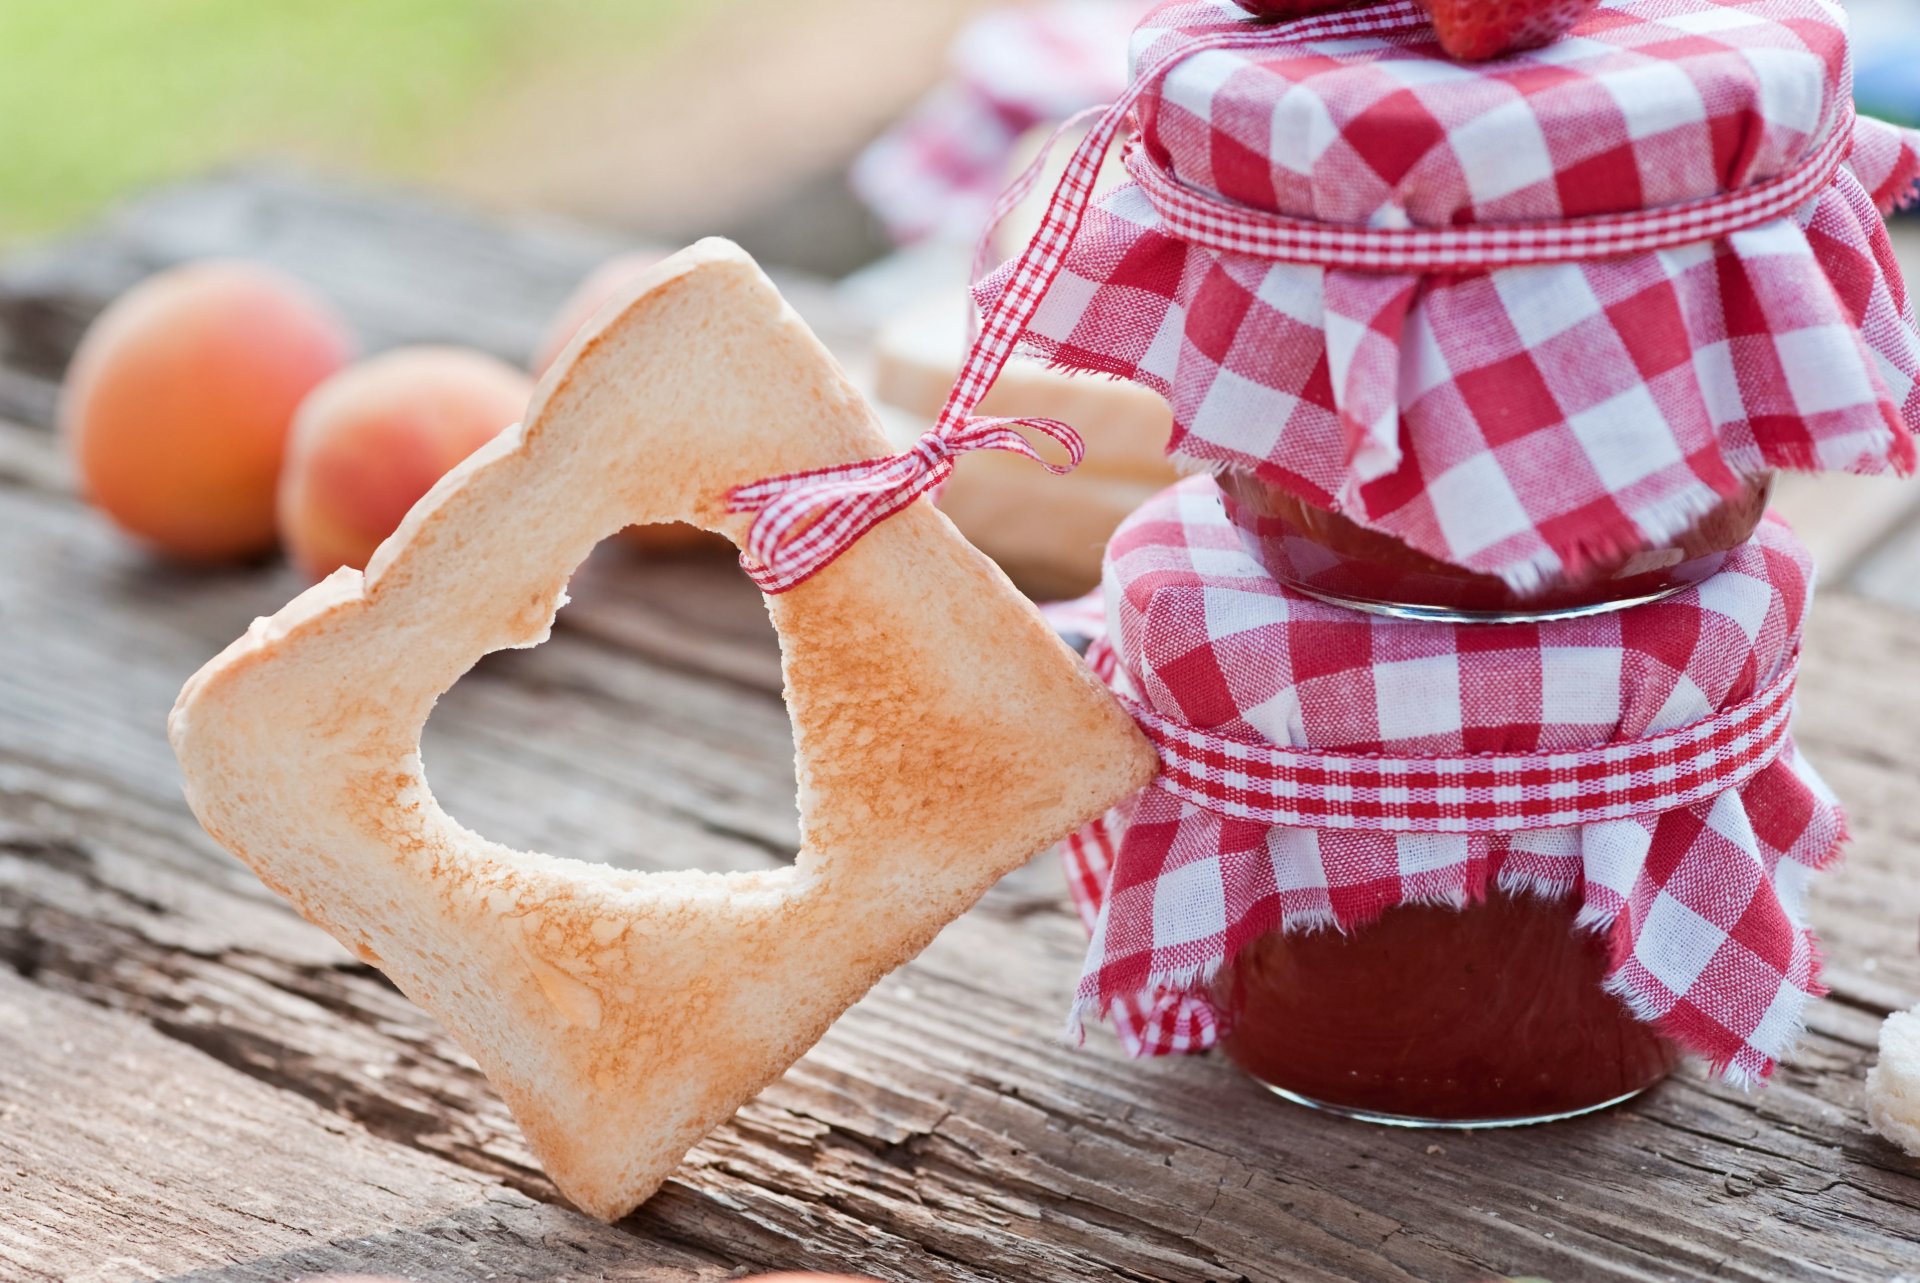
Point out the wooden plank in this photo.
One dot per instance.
(1881, 520)
(1890, 570)
(1906, 247)
(940, 1132)
(118, 1155)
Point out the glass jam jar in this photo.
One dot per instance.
(1491, 1015)
(1337, 560)
(1488, 1015)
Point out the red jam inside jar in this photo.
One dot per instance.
(1488, 1015)
(1336, 559)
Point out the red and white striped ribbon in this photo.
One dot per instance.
(804, 520)
(1488, 792)
(1011, 197)
(1232, 228)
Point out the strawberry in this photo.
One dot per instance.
(1472, 30)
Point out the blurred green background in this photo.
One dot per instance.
(100, 97)
(666, 119)
(662, 119)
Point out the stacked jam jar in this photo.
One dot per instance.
(1469, 648)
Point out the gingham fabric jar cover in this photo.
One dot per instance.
(1515, 420)
(1700, 903)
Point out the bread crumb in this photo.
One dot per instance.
(1893, 1085)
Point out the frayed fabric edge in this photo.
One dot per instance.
(1733, 1071)
(1182, 983)
(1192, 981)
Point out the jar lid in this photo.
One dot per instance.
(1515, 419)
(1701, 901)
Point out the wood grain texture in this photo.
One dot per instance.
(194, 1083)
(93, 1153)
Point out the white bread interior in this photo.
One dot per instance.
(943, 737)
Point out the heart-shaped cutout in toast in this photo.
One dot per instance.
(943, 736)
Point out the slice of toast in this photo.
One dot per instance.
(943, 737)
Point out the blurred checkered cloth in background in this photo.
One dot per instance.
(936, 173)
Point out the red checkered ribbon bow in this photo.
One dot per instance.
(1481, 793)
(809, 518)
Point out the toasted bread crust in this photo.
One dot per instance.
(943, 736)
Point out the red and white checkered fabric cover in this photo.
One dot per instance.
(1518, 421)
(1701, 906)
(936, 172)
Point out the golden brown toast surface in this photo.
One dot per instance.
(943, 737)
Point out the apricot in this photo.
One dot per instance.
(599, 288)
(371, 440)
(178, 402)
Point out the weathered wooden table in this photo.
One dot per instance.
(196, 1084)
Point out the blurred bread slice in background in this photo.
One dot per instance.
(917, 356)
(1047, 532)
